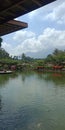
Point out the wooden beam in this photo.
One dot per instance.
(1, 17)
(9, 13)
(37, 2)
(18, 23)
(21, 8)
(11, 26)
(12, 6)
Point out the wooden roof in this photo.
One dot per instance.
(10, 9)
(11, 26)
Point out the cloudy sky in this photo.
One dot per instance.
(45, 32)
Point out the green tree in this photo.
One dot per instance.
(23, 57)
(57, 57)
(0, 41)
(49, 58)
(3, 54)
(56, 51)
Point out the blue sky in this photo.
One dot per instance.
(45, 32)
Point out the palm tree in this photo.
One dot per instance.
(0, 41)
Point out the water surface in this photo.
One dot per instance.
(32, 101)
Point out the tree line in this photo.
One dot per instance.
(57, 57)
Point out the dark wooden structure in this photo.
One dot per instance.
(10, 9)
(11, 26)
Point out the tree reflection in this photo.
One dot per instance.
(4, 78)
(57, 78)
(0, 103)
(26, 74)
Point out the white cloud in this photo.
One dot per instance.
(53, 12)
(57, 14)
(8, 47)
(45, 42)
(22, 35)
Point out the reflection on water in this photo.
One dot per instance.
(4, 78)
(57, 78)
(32, 101)
(0, 103)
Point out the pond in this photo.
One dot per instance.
(32, 101)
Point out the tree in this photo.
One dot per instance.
(3, 54)
(57, 52)
(23, 57)
(57, 57)
(49, 58)
(0, 41)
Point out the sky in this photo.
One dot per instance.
(45, 32)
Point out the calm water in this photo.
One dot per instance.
(32, 101)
